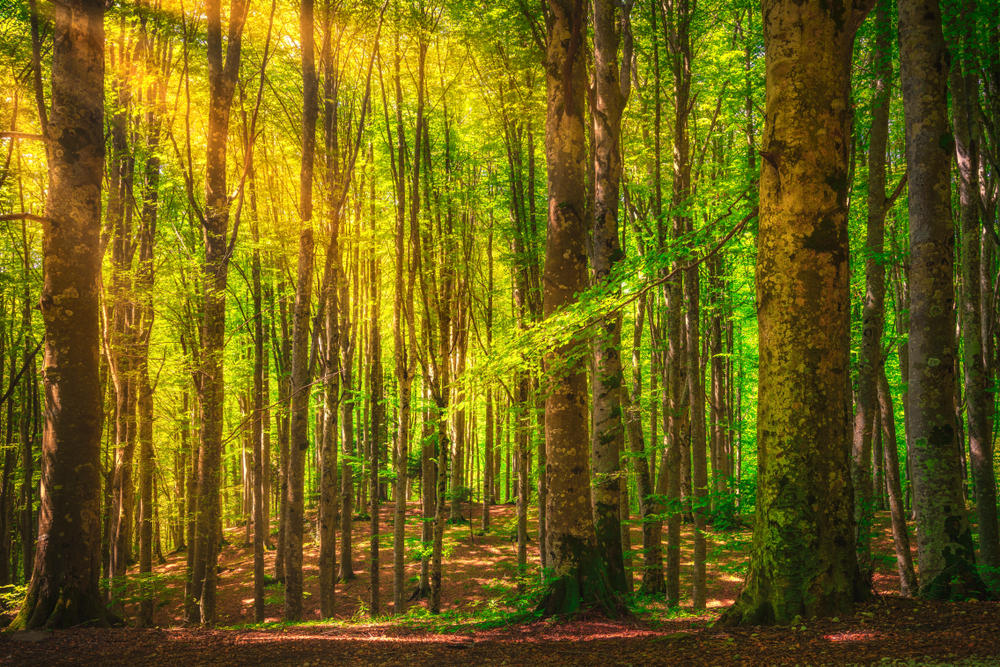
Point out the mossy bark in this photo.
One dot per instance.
(803, 560)
(945, 554)
(976, 369)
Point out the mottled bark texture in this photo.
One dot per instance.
(64, 580)
(803, 561)
(578, 576)
(944, 539)
(979, 404)
(608, 438)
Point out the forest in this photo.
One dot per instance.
(435, 331)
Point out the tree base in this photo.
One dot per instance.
(62, 608)
(420, 593)
(959, 581)
(758, 605)
(585, 589)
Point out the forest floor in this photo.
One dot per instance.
(480, 599)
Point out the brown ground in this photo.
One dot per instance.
(478, 585)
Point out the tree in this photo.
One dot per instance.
(579, 577)
(871, 366)
(301, 377)
(803, 561)
(64, 582)
(979, 401)
(223, 72)
(944, 539)
(610, 95)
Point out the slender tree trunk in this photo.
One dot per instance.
(283, 353)
(489, 471)
(261, 466)
(223, 72)
(873, 308)
(652, 529)
(978, 397)
(897, 513)
(402, 316)
(376, 391)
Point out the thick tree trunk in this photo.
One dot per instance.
(578, 573)
(64, 582)
(944, 539)
(803, 561)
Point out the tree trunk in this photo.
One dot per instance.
(873, 307)
(653, 582)
(944, 539)
(978, 397)
(64, 582)
(578, 573)
(897, 513)
(261, 524)
(301, 376)
(223, 73)
(607, 440)
(377, 397)
(803, 561)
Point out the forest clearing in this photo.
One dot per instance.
(499, 331)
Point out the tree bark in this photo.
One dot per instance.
(607, 441)
(222, 75)
(979, 404)
(578, 574)
(64, 584)
(803, 561)
(945, 555)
